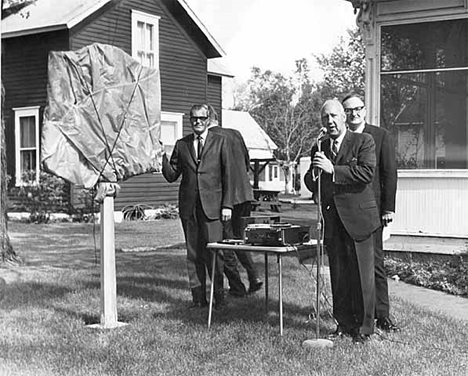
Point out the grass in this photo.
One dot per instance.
(51, 298)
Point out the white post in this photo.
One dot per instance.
(106, 194)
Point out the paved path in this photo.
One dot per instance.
(436, 301)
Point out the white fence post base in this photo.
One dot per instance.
(108, 274)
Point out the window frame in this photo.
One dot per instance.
(146, 18)
(173, 117)
(428, 165)
(20, 112)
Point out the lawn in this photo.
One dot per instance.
(55, 294)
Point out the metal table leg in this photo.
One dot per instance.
(213, 271)
(266, 283)
(280, 278)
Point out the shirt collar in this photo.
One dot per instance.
(359, 129)
(339, 139)
(203, 135)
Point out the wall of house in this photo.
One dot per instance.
(429, 201)
(214, 94)
(24, 76)
(183, 81)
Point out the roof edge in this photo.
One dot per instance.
(37, 30)
(75, 21)
(202, 27)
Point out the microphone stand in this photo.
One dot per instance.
(318, 342)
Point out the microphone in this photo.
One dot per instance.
(322, 133)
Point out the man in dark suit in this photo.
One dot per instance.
(350, 214)
(384, 186)
(204, 160)
(243, 196)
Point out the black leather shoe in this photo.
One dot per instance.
(360, 339)
(340, 332)
(196, 305)
(386, 324)
(255, 286)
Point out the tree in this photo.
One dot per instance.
(8, 254)
(286, 109)
(344, 68)
(7, 251)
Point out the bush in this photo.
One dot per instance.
(41, 198)
(137, 212)
(85, 212)
(448, 276)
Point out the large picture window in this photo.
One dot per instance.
(424, 93)
(145, 38)
(26, 142)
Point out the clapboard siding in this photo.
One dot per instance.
(214, 94)
(183, 81)
(24, 76)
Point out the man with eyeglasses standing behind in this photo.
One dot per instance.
(204, 160)
(384, 186)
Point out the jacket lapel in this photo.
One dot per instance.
(344, 147)
(191, 148)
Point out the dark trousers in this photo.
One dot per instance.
(233, 230)
(382, 305)
(198, 231)
(352, 279)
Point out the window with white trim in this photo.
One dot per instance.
(171, 130)
(26, 142)
(145, 38)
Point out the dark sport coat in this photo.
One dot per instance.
(385, 177)
(211, 179)
(351, 191)
(243, 191)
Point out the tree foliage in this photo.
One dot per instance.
(285, 107)
(344, 67)
(288, 108)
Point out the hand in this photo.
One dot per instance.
(387, 217)
(226, 214)
(322, 162)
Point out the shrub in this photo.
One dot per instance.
(41, 198)
(448, 276)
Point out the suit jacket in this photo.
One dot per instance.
(350, 192)
(242, 189)
(211, 179)
(385, 177)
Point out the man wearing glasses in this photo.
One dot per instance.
(204, 160)
(384, 186)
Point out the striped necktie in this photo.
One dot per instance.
(199, 148)
(334, 150)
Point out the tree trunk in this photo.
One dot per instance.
(8, 253)
(288, 178)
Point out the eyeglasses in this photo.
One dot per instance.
(349, 111)
(201, 118)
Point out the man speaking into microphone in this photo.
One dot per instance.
(347, 163)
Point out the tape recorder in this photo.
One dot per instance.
(276, 234)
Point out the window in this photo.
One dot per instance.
(171, 130)
(424, 91)
(145, 38)
(26, 142)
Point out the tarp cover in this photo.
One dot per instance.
(102, 122)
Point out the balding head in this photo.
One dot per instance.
(333, 117)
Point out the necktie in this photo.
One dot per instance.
(334, 150)
(200, 148)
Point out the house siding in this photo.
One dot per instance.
(182, 66)
(24, 76)
(183, 82)
(214, 94)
